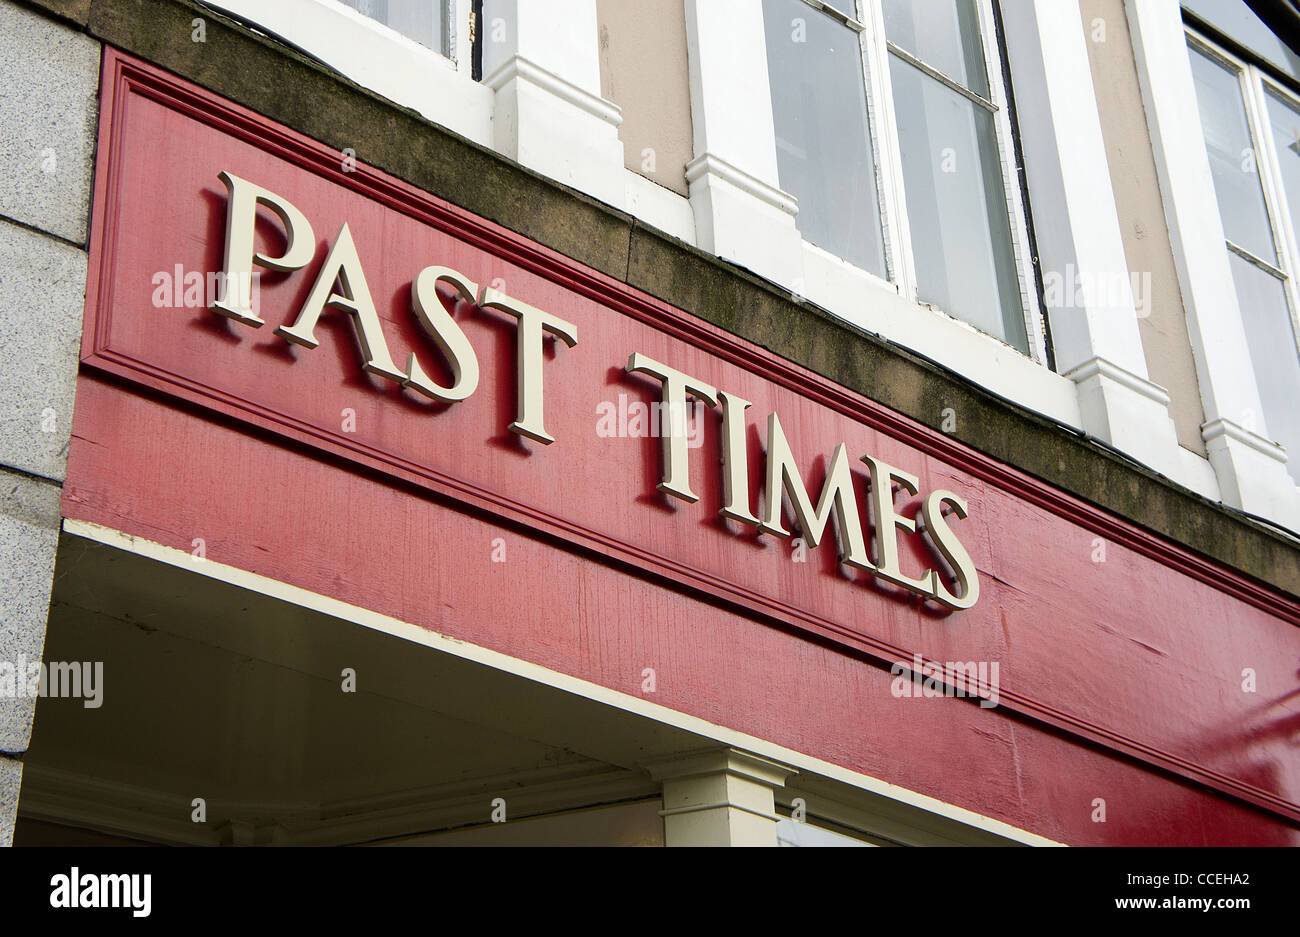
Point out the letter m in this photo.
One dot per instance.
(964, 677)
(116, 891)
(62, 675)
(836, 495)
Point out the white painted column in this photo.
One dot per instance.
(721, 797)
(741, 214)
(1251, 467)
(1090, 301)
(542, 60)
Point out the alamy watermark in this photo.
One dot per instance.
(926, 679)
(181, 289)
(24, 679)
(1081, 289)
(638, 419)
(77, 889)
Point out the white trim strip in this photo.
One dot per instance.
(1099, 366)
(707, 164)
(721, 805)
(1215, 428)
(518, 66)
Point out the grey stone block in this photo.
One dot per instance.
(42, 293)
(49, 84)
(11, 776)
(29, 539)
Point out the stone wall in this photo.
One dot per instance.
(49, 82)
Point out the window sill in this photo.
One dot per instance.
(873, 304)
(379, 59)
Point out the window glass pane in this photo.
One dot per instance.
(823, 145)
(1284, 122)
(848, 7)
(421, 20)
(1232, 157)
(944, 34)
(1272, 353)
(1237, 21)
(956, 205)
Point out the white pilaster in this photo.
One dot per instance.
(1087, 282)
(741, 214)
(1251, 468)
(542, 61)
(721, 797)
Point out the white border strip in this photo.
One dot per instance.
(521, 668)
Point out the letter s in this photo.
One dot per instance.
(945, 542)
(446, 334)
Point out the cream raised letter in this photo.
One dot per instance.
(529, 409)
(888, 522)
(241, 217)
(446, 334)
(944, 541)
(735, 460)
(343, 267)
(675, 477)
(837, 493)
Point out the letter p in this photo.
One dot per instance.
(236, 300)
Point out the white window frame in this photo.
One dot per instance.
(440, 88)
(900, 263)
(460, 48)
(1254, 85)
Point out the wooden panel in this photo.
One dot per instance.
(1141, 653)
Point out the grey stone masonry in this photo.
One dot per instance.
(49, 85)
(42, 295)
(11, 775)
(29, 536)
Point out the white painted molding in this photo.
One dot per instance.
(57, 795)
(874, 305)
(1132, 414)
(1214, 322)
(1095, 334)
(719, 797)
(1214, 429)
(712, 760)
(1197, 474)
(741, 214)
(521, 67)
(731, 101)
(1250, 475)
(659, 207)
(711, 165)
(747, 230)
(1098, 366)
(1253, 478)
(1076, 222)
(381, 59)
(543, 65)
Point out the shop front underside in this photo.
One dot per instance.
(231, 716)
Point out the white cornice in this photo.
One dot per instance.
(518, 66)
(1098, 366)
(707, 164)
(734, 761)
(1226, 428)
